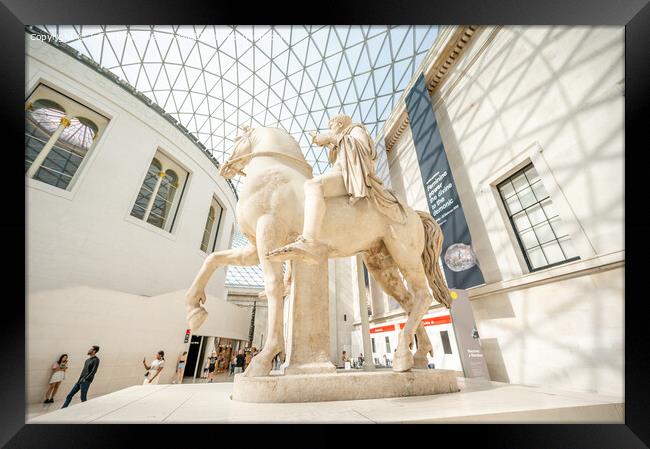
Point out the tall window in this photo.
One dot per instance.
(158, 199)
(212, 227)
(372, 341)
(538, 227)
(446, 344)
(59, 132)
(387, 345)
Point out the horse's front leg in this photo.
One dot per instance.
(269, 234)
(195, 296)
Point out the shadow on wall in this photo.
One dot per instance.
(496, 365)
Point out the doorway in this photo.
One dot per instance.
(192, 356)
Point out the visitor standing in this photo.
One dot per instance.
(152, 376)
(180, 368)
(233, 362)
(240, 359)
(212, 365)
(86, 377)
(58, 375)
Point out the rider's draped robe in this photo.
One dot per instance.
(357, 160)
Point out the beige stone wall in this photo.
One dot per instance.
(552, 96)
(126, 327)
(96, 275)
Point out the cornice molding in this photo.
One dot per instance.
(435, 73)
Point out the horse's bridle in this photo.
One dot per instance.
(245, 159)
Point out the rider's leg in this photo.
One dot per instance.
(316, 191)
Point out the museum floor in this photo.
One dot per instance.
(477, 402)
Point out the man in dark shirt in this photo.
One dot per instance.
(239, 365)
(85, 378)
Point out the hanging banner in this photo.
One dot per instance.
(459, 260)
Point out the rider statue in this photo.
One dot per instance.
(352, 155)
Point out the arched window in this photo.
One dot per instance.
(212, 227)
(42, 118)
(208, 230)
(141, 206)
(157, 200)
(164, 199)
(58, 135)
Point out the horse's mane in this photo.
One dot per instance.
(288, 137)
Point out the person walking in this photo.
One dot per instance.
(58, 375)
(86, 377)
(180, 368)
(152, 376)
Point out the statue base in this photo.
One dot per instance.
(343, 386)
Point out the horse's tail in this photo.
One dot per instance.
(433, 239)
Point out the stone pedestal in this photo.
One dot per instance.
(308, 345)
(343, 386)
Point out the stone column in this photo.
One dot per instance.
(368, 362)
(308, 344)
(45, 151)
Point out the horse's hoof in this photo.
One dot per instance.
(257, 368)
(403, 363)
(420, 361)
(196, 317)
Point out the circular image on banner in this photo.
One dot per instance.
(460, 257)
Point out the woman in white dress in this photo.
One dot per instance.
(152, 376)
(58, 375)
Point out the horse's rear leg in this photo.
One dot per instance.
(269, 234)
(195, 296)
(383, 269)
(410, 264)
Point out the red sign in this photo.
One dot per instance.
(187, 332)
(432, 321)
(388, 328)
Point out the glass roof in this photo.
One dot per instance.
(213, 79)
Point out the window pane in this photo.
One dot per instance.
(549, 209)
(553, 252)
(526, 197)
(536, 258)
(521, 221)
(544, 233)
(528, 239)
(519, 182)
(52, 178)
(536, 214)
(568, 248)
(558, 227)
(531, 174)
(540, 191)
(507, 189)
(513, 205)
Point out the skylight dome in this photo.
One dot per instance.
(212, 79)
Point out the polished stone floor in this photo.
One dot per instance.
(478, 401)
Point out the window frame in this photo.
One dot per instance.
(73, 108)
(215, 231)
(184, 174)
(522, 248)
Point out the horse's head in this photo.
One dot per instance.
(238, 156)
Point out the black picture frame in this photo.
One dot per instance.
(633, 14)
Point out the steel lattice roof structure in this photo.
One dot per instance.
(213, 79)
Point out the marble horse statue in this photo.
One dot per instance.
(288, 215)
